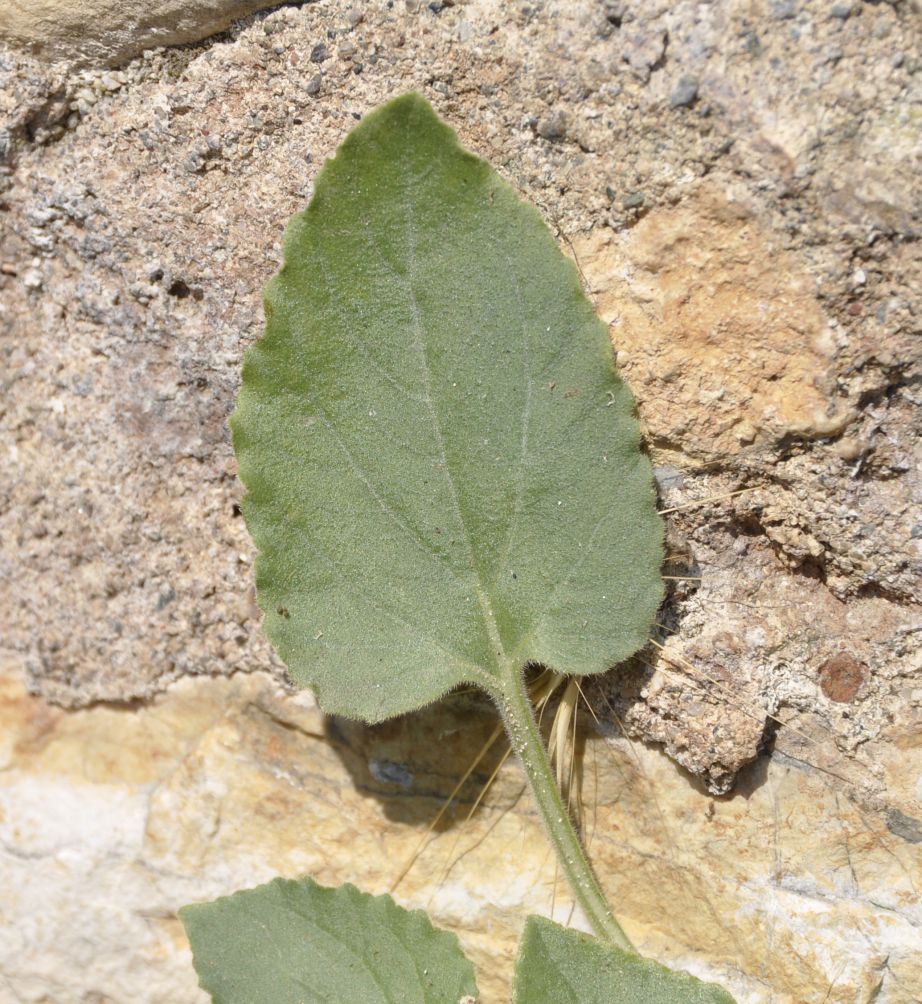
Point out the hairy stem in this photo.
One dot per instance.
(519, 719)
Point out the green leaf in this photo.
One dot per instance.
(300, 943)
(568, 967)
(443, 471)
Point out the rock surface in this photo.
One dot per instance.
(108, 32)
(755, 249)
(111, 819)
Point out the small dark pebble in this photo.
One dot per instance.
(319, 53)
(842, 11)
(907, 827)
(668, 478)
(313, 85)
(615, 12)
(783, 10)
(553, 126)
(685, 93)
(753, 44)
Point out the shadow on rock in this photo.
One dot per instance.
(412, 764)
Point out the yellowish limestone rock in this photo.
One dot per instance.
(111, 818)
(716, 323)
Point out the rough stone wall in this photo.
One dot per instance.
(739, 183)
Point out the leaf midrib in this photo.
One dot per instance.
(507, 661)
(502, 662)
(322, 923)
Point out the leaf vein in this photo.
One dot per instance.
(344, 326)
(565, 581)
(501, 565)
(352, 585)
(488, 618)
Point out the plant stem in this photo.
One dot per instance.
(519, 719)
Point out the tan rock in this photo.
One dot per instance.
(715, 322)
(111, 819)
(111, 31)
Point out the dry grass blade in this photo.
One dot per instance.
(541, 690)
(427, 836)
(710, 498)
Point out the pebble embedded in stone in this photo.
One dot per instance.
(783, 10)
(685, 93)
(553, 126)
(842, 11)
(841, 677)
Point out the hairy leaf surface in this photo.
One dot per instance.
(568, 967)
(443, 471)
(301, 943)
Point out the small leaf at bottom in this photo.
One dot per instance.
(568, 967)
(301, 943)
